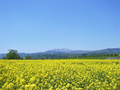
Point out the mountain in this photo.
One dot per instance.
(60, 50)
(2, 55)
(30, 54)
(54, 51)
(108, 50)
(64, 52)
(68, 53)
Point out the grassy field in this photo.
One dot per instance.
(75, 74)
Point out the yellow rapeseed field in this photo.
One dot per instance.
(75, 74)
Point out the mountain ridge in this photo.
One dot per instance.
(69, 51)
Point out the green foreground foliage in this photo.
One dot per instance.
(60, 74)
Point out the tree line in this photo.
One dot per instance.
(14, 55)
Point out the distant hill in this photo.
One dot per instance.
(63, 52)
(108, 50)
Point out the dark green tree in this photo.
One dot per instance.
(108, 54)
(42, 58)
(12, 55)
(115, 54)
(28, 57)
(52, 58)
(101, 55)
(105, 55)
(111, 54)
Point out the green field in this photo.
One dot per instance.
(72, 74)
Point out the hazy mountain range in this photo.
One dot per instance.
(66, 51)
(69, 51)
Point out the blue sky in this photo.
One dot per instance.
(40, 25)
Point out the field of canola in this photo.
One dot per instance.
(60, 74)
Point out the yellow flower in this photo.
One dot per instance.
(10, 86)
